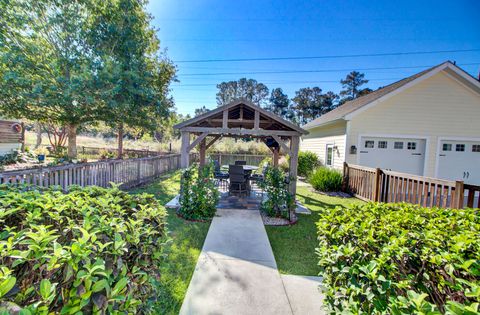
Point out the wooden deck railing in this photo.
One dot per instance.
(389, 186)
(129, 172)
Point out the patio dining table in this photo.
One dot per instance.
(248, 168)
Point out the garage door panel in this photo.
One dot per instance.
(459, 160)
(397, 154)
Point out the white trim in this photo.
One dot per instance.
(333, 154)
(469, 88)
(446, 138)
(401, 136)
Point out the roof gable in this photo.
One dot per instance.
(353, 107)
(248, 109)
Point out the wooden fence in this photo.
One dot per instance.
(227, 158)
(129, 172)
(389, 186)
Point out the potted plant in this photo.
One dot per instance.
(41, 153)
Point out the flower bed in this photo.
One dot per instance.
(400, 259)
(91, 250)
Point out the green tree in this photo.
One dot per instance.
(48, 68)
(351, 86)
(136, 77)
(201, 110)
(278, 102)
(311, 103)
(249, 89)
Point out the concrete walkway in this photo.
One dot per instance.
(236, 272)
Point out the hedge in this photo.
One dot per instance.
(307, 162)
(91, 250)
(326, 179)
(400, 259)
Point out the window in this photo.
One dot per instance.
(460, 147)
(411, 145)
(382, 144)
(329, 160)
(447, 147)
(398, 145)
(369, 144)
(476, 148)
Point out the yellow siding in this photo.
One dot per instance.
(439, 106)
(318, 138)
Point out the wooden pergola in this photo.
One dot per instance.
(242, 119)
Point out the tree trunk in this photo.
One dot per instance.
(38, 130)
(120, 141)
(72, 141)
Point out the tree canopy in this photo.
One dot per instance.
(311, 103)
(351, 86)
(249, 89)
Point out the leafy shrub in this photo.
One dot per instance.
(91, 250)
(17, 156)
(307, 162)
(198, 193)
(400, 259)
(326, 179)
(279, 201)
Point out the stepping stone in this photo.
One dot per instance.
(174, 203)
(302, 209)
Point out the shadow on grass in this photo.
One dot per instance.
(181, 253)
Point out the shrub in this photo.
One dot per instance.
(400, 259)
(91, 250)
(326, 179)
(307, 162)
(279, 201)
(198, 193)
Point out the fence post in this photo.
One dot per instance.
(376, 186)
(345, 185)
(459, 193)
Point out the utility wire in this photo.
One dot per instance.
(330, 56)
(179, 85)
(313, 71)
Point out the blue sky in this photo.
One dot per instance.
(208, 29)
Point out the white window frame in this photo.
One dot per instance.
(330, 145)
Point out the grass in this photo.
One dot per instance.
(294, 246)
(183, 250)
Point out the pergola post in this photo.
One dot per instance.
(294, 147)
(202, 150)
(184, 154)
(276, 155)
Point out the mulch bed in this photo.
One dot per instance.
(275, 221)
(339, 194)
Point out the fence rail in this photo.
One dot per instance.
(129, 172)
(225, 159)
(375, 184)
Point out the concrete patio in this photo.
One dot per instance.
(236, 273)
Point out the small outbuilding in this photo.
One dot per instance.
(11, 136)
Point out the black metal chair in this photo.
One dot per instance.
(238, 180)
(220, 176)
(240, 162)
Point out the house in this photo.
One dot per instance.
(427, 124)
(11, 136)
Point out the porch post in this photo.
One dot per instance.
(294, 147)
(185, 158)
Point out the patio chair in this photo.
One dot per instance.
(240, 162)
(238, 180)
(220, 177)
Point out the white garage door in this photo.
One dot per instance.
(396, 154)
(460, 160)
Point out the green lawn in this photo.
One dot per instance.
(183, 250)
(294, 246)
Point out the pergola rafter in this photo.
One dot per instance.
(242, 118)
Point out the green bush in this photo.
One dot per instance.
(400, 259)
(307, 162)
(279, 201)
(198, 193)
(91, 250)
(326, 179)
